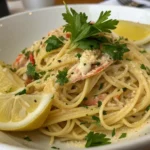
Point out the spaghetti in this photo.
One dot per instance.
(98, 93)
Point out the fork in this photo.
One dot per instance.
(130, 3)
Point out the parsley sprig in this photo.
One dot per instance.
(82, 31)
(31, 71)
(96, 139)
(62, 76)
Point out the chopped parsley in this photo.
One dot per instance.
(96, 139)
(42, 73)
(85, 106)
(61, 38)
(113, 132)
(46, 77)
(78, 55)
(123, 135)
(85, 122)
(13, 69)
(143, 51)
(128, 59)
(115, 50)
(104, 112)
(99, 103)
(96, 119)
(53, 43)
(21, 92)
(124, 89)
(148, 108)
(54, 147)
(145, 68)
(27, 138)
(85, 99)
(62, 76)
(25, 52)
(31, 71)
(101, 86)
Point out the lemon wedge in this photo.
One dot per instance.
(9, 81)
(139, 33)
(23, 112)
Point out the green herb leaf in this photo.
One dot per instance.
(85, 99)
(143, 51)
(101, 86)
(53, 43)
(85, 106)
(99, 103)
(62, 76)
(82, 31)
(148, 108)
(97, 120)
(123, 135)
(27, 138)
(85, 122)
(25, 52)
(115, 50)
(54, 147)
(104, 112)
(88, 44)
(78, 55)
(21, 92)
(113, 132)
(143, 67)
(96, 139)
(103, 24)
(124, 89)
(31, 71)
(13, 69)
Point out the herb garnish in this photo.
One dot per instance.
(82, 31)
(96, 119)
(101, 86)
(27, 138)
(54, 147)
(25, 52)
(96, 139)
(53, 43)
(145, 68)
(21, 92)
(143, 51)
(113, 132)
(115, 50)
(123, 135)
(99, 103)
(62, 76)
(31, 71)
(78, 55)
(148, 108)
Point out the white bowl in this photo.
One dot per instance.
(34, 4)
(21, 30)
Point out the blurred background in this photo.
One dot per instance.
(8, 7)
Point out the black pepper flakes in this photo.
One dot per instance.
(84, 64)
(59, 61)
(35, 100)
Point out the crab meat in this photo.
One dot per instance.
(91, 63)
(94, 100)
(20, 61)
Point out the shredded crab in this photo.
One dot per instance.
(90, 64)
